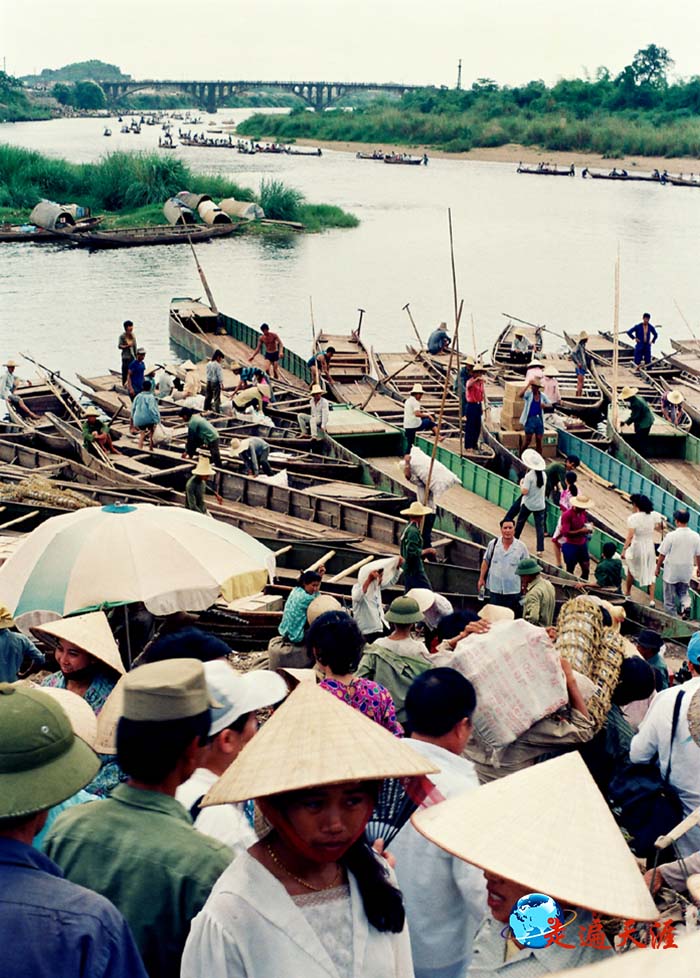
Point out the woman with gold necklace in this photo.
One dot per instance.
(311, 898)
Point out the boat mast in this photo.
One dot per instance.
(616, 341)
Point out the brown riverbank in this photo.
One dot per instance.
(513, 153)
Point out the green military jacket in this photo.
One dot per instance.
(139, 849)
(640, 413)
(539, 603)
(394, 672)
(194, 495)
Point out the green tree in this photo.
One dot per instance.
(62, 93)
(89, 95)
(650, 66)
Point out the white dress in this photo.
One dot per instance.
(641, 556)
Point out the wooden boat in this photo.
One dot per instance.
(651, 391)
(681, 181)
(31, 232)
(107, 132)
(689, 386)
(160, 234)
(547, 170)
(615, 174)
(686, 356)
(304, 152)
(404, 160)
(370, 156)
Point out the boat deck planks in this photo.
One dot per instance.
(685, 475)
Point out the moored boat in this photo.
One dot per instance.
(32, 232)
(160, 234)
(547, 170)
(615, 174)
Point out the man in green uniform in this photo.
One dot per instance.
(555, 475)
(412, 549)
(539, 596)
(197, 484)
(640, 413)
(200, 434)
(139, 848)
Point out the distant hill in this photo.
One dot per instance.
(79, 71)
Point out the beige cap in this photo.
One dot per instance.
(314, 739)
(675, 397)
(6, 619)
(81, 715)
(675, 962)
(316, 390)
(90, 633)
(547, 827)
(628, 392)
(203, 466)
(320, 605)
(416, 509)
(493, 613)
(169, 690)
(417, 389)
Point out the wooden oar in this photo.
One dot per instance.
(351, 570)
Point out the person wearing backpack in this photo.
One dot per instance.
(680, 753)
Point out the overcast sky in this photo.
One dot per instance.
(346, 40)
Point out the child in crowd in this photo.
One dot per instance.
(609, 572)
(565, 498)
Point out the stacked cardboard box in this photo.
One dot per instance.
(512, 407)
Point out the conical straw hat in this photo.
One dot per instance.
(90, 633)
(549, 828)
(107, 720)
(81, 715)
(675, 962)
(314, 739)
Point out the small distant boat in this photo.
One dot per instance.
(160, 234)
(615, 174)
(31, 232)
(681, 181)
(107, 132)
(305, 152)
(406, 160)
(370, 156)
(547, 170)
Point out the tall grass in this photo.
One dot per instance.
(126, 183)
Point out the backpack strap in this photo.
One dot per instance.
(196, 808)
(674, 727)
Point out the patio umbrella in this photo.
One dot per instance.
(169, 558)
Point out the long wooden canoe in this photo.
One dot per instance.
(30, 232)
(161, 234)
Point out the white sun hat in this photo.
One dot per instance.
(240, 693)
(533, 460)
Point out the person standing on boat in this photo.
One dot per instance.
(412, 549)
(273, 350)
(679, 555)
(200, 434)
(498, 574)
(638, 550)
(8, 385)
(643, 334)
(127, 346)
(415, 419)
(215, 381)
(439, 340)
(531, 418)
(575, 534)
(671, 408)
(136, 373)
(581, 360)
(145, 414)
(475, 397)
(532, 488)
(196, 485)
(641, 415)
(320, 364)
(97, 431)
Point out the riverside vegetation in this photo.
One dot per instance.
(130, 189)
(637, 112)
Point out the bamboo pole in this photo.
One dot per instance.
(19, 519)
(690, 328)
(442, 412)
(616, 343)
(407, 307)
(350, 570)
(383, 380)
(283, 550)
(203, 277)
(322, 561)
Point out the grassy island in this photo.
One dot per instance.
(638, 112)
(131, 188)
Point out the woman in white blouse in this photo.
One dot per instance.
(639, 550)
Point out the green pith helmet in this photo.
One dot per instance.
(42, 762)
(528, 565)
(404, 611)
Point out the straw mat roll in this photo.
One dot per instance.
(549, 828)
(315, 739)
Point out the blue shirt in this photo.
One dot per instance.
(436, 340)
(51, 928)
(137, 368)
(532, 407)
(13, 648)
(501, 577)
(144, 410)
(637, 333)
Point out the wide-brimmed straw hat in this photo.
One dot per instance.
(90, 633)
(320, 605)
(647, 962)
(91, 412)
(416, 509)
(42, 762)
(583, 335)
(549, 828)
(404, 611)
(239, 445)
(423, 597)
(518, 332)
(675, 397)
(535, 363)
(551, 372)
(494, 612)
(203, 466)
(478, 368)
(314, 739)
(79, 712)
(10, 363)
(6, 619)
(533, 460)
(316, 390)
(582, 502)
(628, 392)
(417, 389)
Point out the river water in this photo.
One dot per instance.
(543, 250)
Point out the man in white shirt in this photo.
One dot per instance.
(445, 897)
(8, 391)
(679, 555)
(233, 724)
(316, 421)
(415, 419)
(654, 737)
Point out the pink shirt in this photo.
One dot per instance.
(550, 385)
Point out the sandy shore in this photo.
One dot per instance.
(513, 153)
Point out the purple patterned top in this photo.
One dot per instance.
(370, 698)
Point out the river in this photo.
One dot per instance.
(540, 249)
